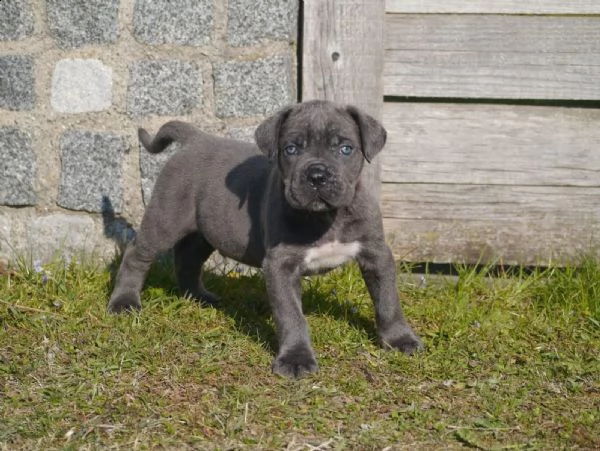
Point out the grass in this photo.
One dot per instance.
(511, 362)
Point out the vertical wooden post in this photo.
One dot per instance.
(342, 58)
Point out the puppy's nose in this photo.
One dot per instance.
(318, 174)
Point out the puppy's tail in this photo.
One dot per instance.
(168, 133)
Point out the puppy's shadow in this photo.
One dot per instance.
(244, 298)
(117, 230)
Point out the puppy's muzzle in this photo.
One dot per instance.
(318, 175)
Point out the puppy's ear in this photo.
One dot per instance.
(372, 133)
(267, 133)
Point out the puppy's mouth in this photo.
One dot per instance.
(318, 200)
(319, 204)
(315, 203)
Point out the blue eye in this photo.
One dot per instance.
(346, 150)
(291, 149)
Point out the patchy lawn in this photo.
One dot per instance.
(510, 363)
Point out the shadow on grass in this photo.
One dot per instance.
(244, 299)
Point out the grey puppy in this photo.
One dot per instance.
(298, 208)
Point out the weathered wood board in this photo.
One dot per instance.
(492, 56)
(510, 241)
(491, 144)
(487, 223)
(512, 184)
(343, 57)
(343, 52)
(494, 6)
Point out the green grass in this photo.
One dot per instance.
(510, 363)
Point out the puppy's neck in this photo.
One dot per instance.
(315, 218)
(311, 226)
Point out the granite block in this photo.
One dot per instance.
(245, 134)
(252, 88)
(17, 82)
(188, 22)
(75, 23)
(81, 86)
(92, 169)
(60, 235)
(253, 21)
(18, 168)
(16, 20)
(163, 87)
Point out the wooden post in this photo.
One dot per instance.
(342, 58)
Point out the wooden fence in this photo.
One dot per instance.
(493, 113)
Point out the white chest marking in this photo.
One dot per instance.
(330, 255)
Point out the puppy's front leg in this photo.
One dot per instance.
(295, 356)
(379, 271)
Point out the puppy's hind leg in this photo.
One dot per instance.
(130, 278)
(190, 253)
(168, 218)
(154, 237)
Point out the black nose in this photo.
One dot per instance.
(318, 174)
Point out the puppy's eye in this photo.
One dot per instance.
(291, 149)
(346, 150)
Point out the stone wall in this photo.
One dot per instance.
(77, 77)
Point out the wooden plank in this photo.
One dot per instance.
(342, 58)
(505, 242)
(490, 202)
(506, 224)
(493, 6)
(492, 56)
(491, 144)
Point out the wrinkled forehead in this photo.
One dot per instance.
(319, 123)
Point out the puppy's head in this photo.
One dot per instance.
(320, 148)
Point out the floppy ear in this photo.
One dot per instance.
(372, 133)
(267, 133)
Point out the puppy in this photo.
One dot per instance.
(294, 205)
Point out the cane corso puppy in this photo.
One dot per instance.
(294, 205)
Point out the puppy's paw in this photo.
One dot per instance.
(295, 362)
(408, 343)
(124, 302)
(207, 298)
(203, 297)
(195, 290)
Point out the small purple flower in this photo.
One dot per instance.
(347, 304)
(39, 269)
